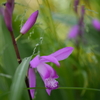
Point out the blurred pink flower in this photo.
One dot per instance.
(73, 32)
(96, 24)
(78, 30)
(47, 73)
(29, 23)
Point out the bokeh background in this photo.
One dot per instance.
(55, 20)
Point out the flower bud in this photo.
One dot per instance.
(29, 23)
(9, 6)
(96, 24)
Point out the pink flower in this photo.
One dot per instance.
(73, 32)
(78, 30)
(47, 73)
(96, 24)
(29, 23)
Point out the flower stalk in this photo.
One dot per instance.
(16, 48)
(7, 13)
(16, 39)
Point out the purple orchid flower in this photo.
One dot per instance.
(9, 6)
(78, 29)
(96, 24)
(30, 22)
(47, 73)
(73, 32)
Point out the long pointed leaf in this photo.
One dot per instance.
(19, 79)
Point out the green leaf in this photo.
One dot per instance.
(66, 19)
(19, 79)
(7, 53)
(85, 77)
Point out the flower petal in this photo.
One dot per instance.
(62, 53)
(52, 72)
(46, 71)
(96, 24)
(43, 70)
(50, 59)
(50, 84)
(48, 91)
(32, 81)
(35, 62)
(30, 22)
(73, 32)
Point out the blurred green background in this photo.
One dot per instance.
(56, 17)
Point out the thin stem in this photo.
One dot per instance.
(16, 39)
(15, 47)
(79, 88)
(72, 88)
(27, 84)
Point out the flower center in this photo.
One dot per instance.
(51, 83)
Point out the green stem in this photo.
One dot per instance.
(72, 88)
(79, 88)
(18, 37)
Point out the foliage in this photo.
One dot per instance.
(49, 34)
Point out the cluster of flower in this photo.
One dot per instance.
(78, 30)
